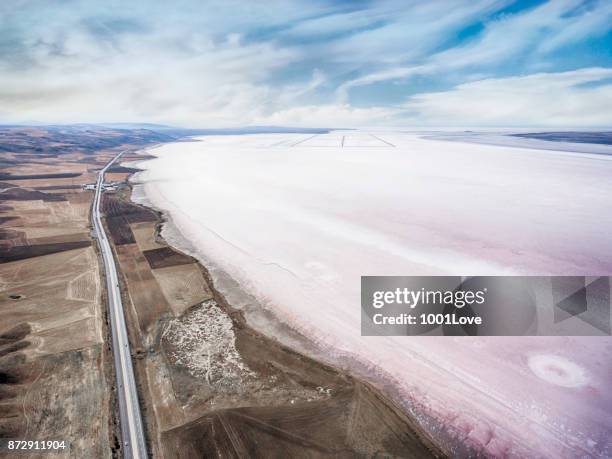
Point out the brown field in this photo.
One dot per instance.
(119, 216)
(122, 169)
(120, 231)
(28, 251)
(351, 424)
(165, 256)
(55, 370)
(57, 374)
(148, 301)
(58, 187)
(183, 286)
(39, 176)
(118, 177)
(145, 235)
(20, 194)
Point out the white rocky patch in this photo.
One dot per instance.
(203, 341)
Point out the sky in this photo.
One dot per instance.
(223, 63)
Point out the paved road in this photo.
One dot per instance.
(129, 410)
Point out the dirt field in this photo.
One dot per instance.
(55, 369)
(217, 388)
(55, 374)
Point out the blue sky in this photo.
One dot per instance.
(298, 62)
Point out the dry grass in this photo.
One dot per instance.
(48, 285)
(149, 302)
(144, 233)
(183, 286)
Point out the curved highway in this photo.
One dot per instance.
(132, 432)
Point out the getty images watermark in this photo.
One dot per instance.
(485, 306)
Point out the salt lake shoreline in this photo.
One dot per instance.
(266, 320)
(267, 323)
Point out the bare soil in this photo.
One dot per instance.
(56, 380)
(28, 251)
(165, 257)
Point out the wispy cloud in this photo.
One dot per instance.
(235, 62)
(336, 115)
(530, 34)
(579, 98)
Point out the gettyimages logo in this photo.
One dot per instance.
(485, 306)
(458, 297)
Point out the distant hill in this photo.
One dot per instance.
(172, 131)
(601, 138)
(62, 139)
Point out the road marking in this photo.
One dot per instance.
(383, 140)
(304, 140)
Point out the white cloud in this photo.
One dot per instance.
(182, 77)
(333, 115)
(580, 98)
